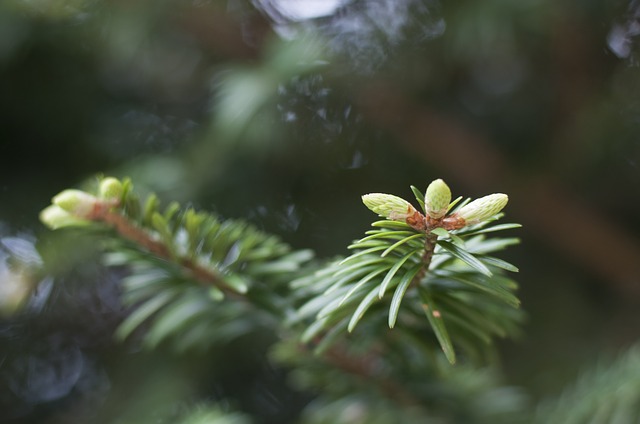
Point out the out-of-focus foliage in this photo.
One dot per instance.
(19, 262)
(429, 388)
(608, 393)
(212, 415)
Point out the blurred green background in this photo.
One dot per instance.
(284, 113)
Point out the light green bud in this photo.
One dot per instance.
(483, 208)
(388, 206)
(55, 217)
(110, 188)
(76, 202)
(437, 199)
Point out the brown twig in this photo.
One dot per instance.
(427, 256)
(129, 231)
(367, 369)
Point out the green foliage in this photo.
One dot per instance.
(139, 86)
(400, 274)
(397, 378)
(214, 415)
(190, 271)
(609, 393)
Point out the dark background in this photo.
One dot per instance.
(206, 102)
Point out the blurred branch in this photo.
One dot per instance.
(366, 370)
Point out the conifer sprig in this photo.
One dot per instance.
(183, 262)
(439, 260)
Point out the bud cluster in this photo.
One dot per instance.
(437, 202)
(75, 207)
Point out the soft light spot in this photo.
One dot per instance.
(300, 10)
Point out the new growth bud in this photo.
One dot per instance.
(388, 206)
(437, 199)
(111, 188)
(483, 208)
(76, 202)
(55, 217)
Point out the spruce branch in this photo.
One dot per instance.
(107, 209)
(129, 231)
(397, 373)
(183, 264)
(365, 369)
(434, 259)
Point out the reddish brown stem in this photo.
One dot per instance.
(128, 230)
(133, 233)
(427, 256)
(367, 369)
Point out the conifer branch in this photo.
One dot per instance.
(364, 368)
(129, 231)
(397, 260)
(183, 263)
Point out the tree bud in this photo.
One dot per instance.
(55, 217)
(110, 188)
(483, 208)
(437, 199)
(76, 202)
(389, 206)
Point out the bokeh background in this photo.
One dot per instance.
(284, 112)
